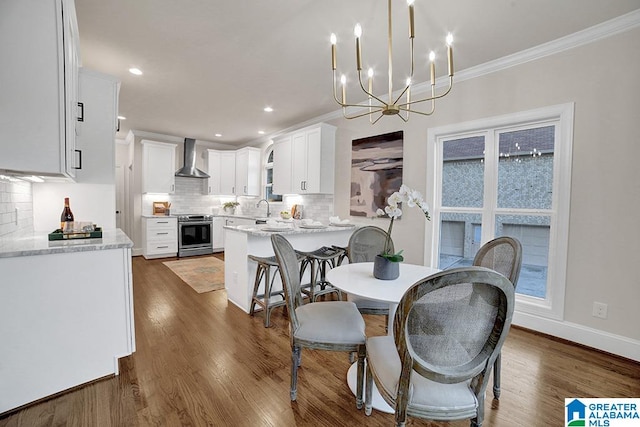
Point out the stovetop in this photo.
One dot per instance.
(194, 217)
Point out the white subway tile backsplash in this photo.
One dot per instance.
(15, 223)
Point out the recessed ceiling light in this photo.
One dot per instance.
(122, 118)
(218, 135)
(268, 109)
(261, 132)
(135, 71)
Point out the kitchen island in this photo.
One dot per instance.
(66, 314)
(242, 241)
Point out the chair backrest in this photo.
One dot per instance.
(502, 254)
(289, 274)
(365, 243)
(450, 327)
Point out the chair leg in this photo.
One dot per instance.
(496, 376)
(479, 418)
(256, 285)
(267, 296)
(368, 393)
(295, 360)
(362, 352)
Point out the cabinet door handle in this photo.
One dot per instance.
(80, 111)
(79, 159)
(173, 187)
(245, 189)
(162, 247)
(162, 222)
(162, 233)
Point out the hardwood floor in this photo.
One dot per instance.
(202, 361)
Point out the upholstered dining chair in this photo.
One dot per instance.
(325, 325)
(448, 331)
(364, 244)
(504, 255)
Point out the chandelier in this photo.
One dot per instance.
(402, 104)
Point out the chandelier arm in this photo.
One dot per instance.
(432, 97)
(376, 120)
(367, 92)
(344, 113)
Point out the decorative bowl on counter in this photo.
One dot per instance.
(285, 215)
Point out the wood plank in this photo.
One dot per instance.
(202, 361)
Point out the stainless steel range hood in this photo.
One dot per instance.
(189, 169)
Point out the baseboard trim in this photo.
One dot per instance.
(605, 341)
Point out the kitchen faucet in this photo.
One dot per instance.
(267, 202)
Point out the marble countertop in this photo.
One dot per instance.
(265, 230)
(38, 244)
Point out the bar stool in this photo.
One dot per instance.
(263, 273)
(320, 260)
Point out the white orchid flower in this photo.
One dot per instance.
(380, 212)
(394, 199)
(393, 212)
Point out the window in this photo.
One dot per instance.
(268, 194)
(507, 175)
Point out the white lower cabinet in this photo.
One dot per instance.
(218, 234)
(65, 320)
(159, 237)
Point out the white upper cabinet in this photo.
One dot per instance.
(221, 167)
(282, 179)
(158, 167)
(39, 75)
(213, 169)
(95, 143)
(248, 172)
(227, 172)
(303, 162)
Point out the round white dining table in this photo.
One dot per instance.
(357, 279)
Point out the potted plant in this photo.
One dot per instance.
(386, 265)
(230, 207)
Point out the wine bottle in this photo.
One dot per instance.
(67, 215)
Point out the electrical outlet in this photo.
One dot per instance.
(600, 310)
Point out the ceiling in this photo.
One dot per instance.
(211, 66)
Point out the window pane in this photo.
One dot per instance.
(269, 175)
(533, 232)
(525, 168)
(270, 196)
(270, 158)
(459, 239)
(463, 172)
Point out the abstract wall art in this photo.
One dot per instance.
(376, 172)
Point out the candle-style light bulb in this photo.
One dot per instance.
(357, 31)
(334, 40)
(411, 26)
(450, 53)
(343, 81)
(432, 67)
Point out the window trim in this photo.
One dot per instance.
(268, 165)
(561, 115)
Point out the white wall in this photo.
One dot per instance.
(602, 80)
(89, 202)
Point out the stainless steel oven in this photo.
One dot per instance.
(195, 235)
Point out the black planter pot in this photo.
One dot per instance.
(384, 269)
